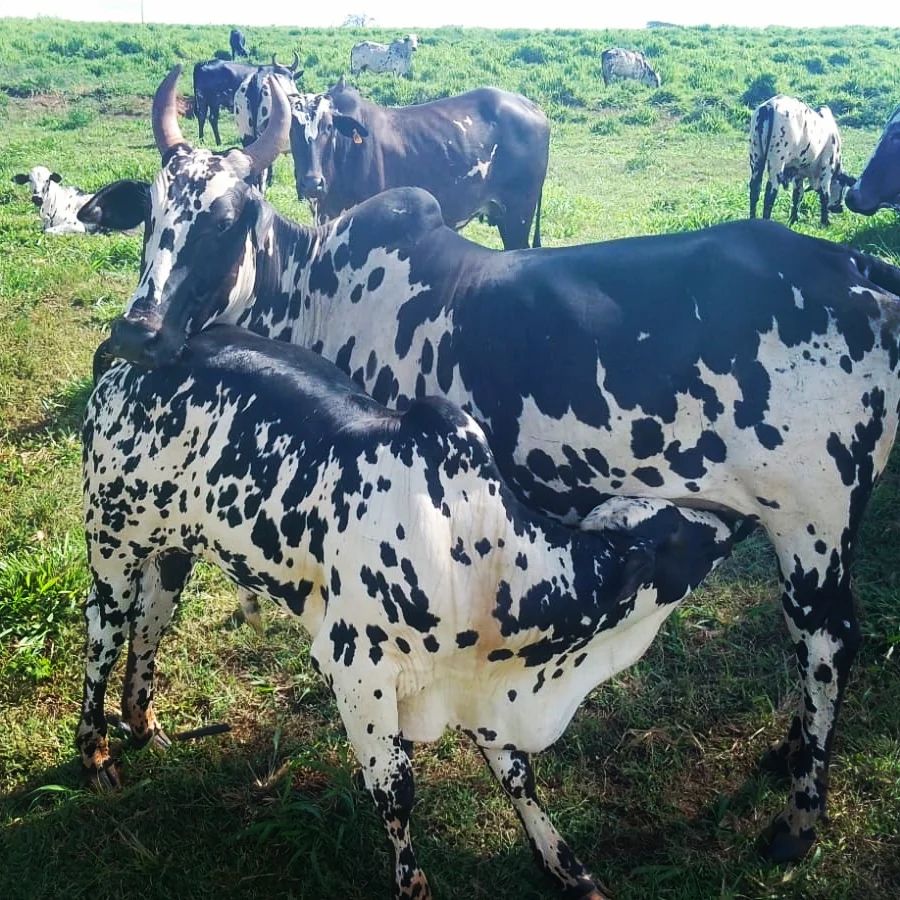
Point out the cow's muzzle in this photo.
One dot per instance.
(140, 343)
(853, 199)
(312, 187)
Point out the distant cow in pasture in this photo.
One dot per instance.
(238, 45)
(879, 185)
(58, 206)
(253, 103)
(434, 598)
(395, 57)
(740, 367)
(618, 64)
(794, 143)
(215, 84)
(482, 152)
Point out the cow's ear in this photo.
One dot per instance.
(638, 567)
(847, 180)
(55, 176)
(118, 206)
(20, 179)
(349, 127)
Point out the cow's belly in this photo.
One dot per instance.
(503, 703)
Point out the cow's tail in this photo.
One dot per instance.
(764, 128)
(537, 219)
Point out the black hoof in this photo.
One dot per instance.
(778, 845)
(105, 778)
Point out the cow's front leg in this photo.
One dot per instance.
(513, 770)
(823, 206)
(160, 590)
(367, 701)
(823, 625)
(106, 617)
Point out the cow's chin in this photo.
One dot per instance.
(144, 346)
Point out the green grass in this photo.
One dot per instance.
(655, 782)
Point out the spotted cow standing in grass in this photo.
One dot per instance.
(253, 103)
(795, 144)
(395, 57)
(742, 366)
(629, 65)
(58, 206)
(434, 598)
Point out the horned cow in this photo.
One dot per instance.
(57, 205)
(395, 57)
(793, 144)
(696, 366)
(433, 597)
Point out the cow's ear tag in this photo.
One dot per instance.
(357, 139)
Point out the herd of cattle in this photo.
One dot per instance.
(482, 479)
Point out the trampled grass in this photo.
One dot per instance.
(655, 782)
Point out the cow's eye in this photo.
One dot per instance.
(225, 223)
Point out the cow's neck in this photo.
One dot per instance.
(281, 252)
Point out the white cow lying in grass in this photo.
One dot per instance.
(58, 206)
(434, 598)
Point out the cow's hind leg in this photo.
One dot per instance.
(796, 197)
(769, 199)
(107, 615)
(513, 770)
(160, 590)
(823, 207)
(755, 185)
(367, 701)
(820, 614)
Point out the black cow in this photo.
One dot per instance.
(741, 366)
(393, 538)
(238, 47)
(481, 152)
(879, 185)
(215, 84)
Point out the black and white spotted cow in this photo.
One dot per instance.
(482, 152)
(697, 366)
(879, 185)
(434, 598)
(794, 144)
(253, 103)
(238, 44)
(617, 64)
(57, 205)
(395, 57)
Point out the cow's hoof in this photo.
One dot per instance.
(104, 777)
(160, 740)
(778, 845)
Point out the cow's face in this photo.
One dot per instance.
(840, 183)
(39, 178)
(199, 215)
(879, 185)
(653, 79)
(322, 140)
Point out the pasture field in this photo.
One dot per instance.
(655, 783)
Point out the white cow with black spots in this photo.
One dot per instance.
(395, 57)
(58, 206)
(794, 144)
(434, 598)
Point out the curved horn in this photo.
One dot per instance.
(265, 149)
(165, 117)
(296, 62)
(274, 61)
